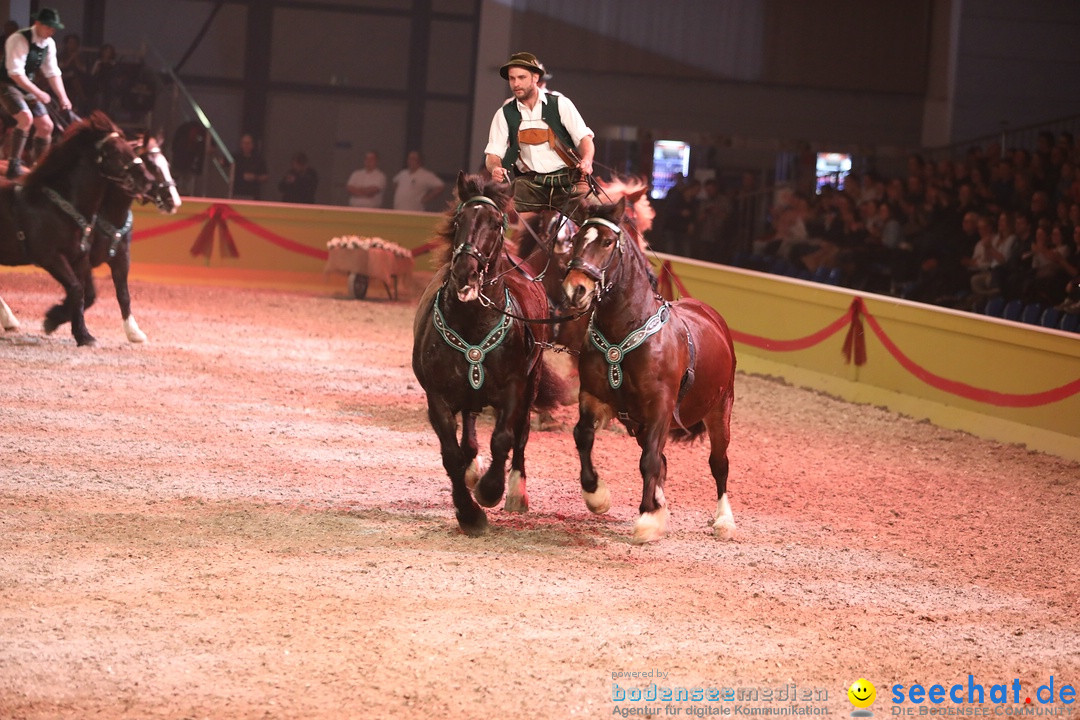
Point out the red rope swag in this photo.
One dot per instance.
(854, 350)
(217, 217)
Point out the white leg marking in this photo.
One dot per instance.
(7, 318)
(598, 502)
(517, 497)
(723, 520)
(474, 471)
(131, 329)
(650, 526)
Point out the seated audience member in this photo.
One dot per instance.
(1051, 267)
(992, 255)
(679, 215)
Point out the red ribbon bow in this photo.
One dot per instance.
(855, 342)
(217, 214)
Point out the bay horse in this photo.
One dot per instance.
(475, 347)
(664, 369)
(112, 238)
(546, 242)
(46, 219)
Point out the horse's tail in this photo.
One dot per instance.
(688, 435)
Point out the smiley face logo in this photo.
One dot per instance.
(862, 693)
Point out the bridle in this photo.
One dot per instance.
(600, 275)
(468, 249)
(161, 185)
(124, 179)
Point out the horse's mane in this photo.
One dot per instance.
(468, 186)
(611, 213)
(641, 210)
(64, 154)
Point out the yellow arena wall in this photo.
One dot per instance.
(277, 244)
(994, 378)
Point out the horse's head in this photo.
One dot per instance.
(598, 249)
(560, 230)
(92, 145)
(162, 190)
(117, 161)
(477, 230)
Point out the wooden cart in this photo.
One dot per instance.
(362, 265)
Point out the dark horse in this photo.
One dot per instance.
(111, 241)
(664, 369)
(546, 242)
(473, 347)
(47, 219)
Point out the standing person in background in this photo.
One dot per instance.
(102, 76)
(25, 53)
(249, 170)
(367, 186)
(300, 180)
(416, 186)
(74, 71)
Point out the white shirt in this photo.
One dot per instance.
(540, 158)
(368, 178)
(412, 187)
(16, 49)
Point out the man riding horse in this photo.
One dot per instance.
(26, 52)
(539, 141)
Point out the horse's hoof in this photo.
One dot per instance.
(517, 504)
(517, 497)
(598, 502)
(724, 520)
(87, 341)
(49, 326)
(473, 472)
(477, 527)
(649, 527)
(7, 318)
(486, 500)
(724, 529)
(133, 332)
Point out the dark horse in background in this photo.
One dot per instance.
(112, 238)
(47, 218)
(546, 240)
(663, 369)
(475, 347)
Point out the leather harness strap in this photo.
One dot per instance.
(540, 136)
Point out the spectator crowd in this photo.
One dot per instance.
(954, 233)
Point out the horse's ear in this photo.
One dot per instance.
(635, 196)
(620, 209)
(462, 191)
